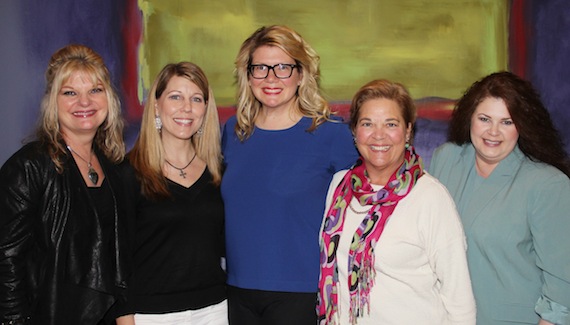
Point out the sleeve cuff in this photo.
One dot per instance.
(552, 311)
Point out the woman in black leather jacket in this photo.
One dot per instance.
(61, 225)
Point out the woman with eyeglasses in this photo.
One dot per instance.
(281, 151)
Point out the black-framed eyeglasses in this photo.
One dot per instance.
(281, 70)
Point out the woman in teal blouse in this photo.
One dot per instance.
(507, 170)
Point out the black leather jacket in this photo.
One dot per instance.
(50, 242)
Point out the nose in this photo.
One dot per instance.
(271, 74)
(187, 106)
(378, 133)
(84, 99)
(494, 129)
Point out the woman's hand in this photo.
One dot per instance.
(541, 322)
(126, 320)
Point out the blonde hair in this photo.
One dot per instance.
(309, 101)
(148, 156)
(63, 63)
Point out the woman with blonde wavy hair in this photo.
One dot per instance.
(178, 211)
(280, 153)
(62, 217)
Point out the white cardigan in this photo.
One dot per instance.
(421, 267)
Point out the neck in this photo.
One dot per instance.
(483, 168)
(178, 151)
(278, 119)
(380, 177)
(82, 146)
(379, 180)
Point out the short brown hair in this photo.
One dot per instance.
(382, 88)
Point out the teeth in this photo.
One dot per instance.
(380, 148)
(494, 143)
(272, 91)
(83, 114)
(182, 121)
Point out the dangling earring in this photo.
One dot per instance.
(158, 123)
(407, 145)
(200, 131)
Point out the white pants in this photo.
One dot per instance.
(211, 315)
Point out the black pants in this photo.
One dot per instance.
(257, 307)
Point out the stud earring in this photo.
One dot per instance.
(158, 123)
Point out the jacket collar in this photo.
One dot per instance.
(506, 167)
(502, 176)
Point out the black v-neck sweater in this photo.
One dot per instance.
(179, 243)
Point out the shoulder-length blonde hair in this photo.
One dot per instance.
(63, 63)
(147, 156)
(309, 100)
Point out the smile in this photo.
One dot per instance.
(491, 143)
(379, 148)
(183, 121)
(84, 113)
(272, 91)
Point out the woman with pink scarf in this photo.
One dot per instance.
(392, 244)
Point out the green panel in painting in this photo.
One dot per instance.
(436, 48)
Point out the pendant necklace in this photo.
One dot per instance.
(181, 170)
(357, 212)
(91, 173)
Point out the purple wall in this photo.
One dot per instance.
(549, 59)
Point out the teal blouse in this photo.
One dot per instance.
(517, 223)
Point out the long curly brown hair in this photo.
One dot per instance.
(538, 139)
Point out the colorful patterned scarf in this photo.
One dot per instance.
(361, 255)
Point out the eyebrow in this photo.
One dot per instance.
(270, 65)
(489, 116)
(391, 119)
(180, 92)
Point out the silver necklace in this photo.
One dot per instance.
(357, 212)
(91, 173)
(181, 170)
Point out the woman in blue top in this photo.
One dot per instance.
(280, 151)
(507, 171)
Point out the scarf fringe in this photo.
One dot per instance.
(360, 302)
